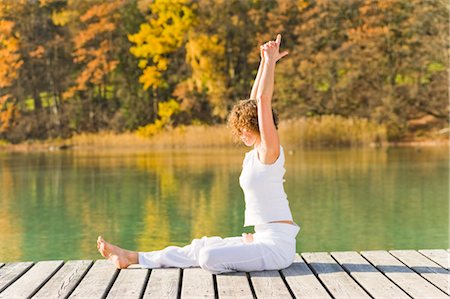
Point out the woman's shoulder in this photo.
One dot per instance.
(279, 159)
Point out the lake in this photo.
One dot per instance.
(55, 204)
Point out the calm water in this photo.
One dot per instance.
(55, 204)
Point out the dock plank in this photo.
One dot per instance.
(32, 280)
(301, 280)
(425, 267)
(11, 271)
(348, 274)
(197, 283)
(129, 284)
(233, 285)
(412, 283)
(372, 280)
(269, 284)
(97, 281)
(65, 280)
(439, 256)
(163, 283)
(337, 281)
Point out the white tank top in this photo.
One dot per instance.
(265, 199)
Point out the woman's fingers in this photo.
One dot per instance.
(271, 45)
(278, 40)
(283, 54)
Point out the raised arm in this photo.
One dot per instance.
(258, 76)
(269, 148)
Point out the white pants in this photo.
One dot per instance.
(273, 248)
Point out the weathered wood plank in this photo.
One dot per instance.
(425, 267)
(97, 281)
(303, 283)
(65, 280)
(163, 283)
(11, 271)
(233, 285)
(405, 278)
(32, 280)
(129, 284)
(197, 283)
(337, 281)
(269, 284)
(372, 280)
(439, 256)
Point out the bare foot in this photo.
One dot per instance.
(122, 258)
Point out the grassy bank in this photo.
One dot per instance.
(326, 131)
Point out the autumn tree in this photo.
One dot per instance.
(10, 63)
(159, 47)
(369, 59)
(74, 66)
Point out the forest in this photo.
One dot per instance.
(68, 67)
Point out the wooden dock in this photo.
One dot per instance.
(368, 274)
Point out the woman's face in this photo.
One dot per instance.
(248, 137)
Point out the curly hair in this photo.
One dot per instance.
(244, 115)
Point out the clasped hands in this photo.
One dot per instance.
(270, 51)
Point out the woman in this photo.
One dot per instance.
(272, 246)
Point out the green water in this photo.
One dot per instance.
(55, 204)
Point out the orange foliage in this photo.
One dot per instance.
(10, 60)
(8, 112)
(94, 47)
(38, 53)
(92, 31)
(101, 10)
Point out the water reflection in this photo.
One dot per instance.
(53, 205)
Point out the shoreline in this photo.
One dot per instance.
(326, 132)
(153, 145)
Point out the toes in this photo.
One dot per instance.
(102, 250)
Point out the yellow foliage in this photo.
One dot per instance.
(142, 63)
(165, 112)
(167, 109)
(61, 18)
(150, 77)
(162, 64)
(150, 129)
(203, 53)
(165, 32)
